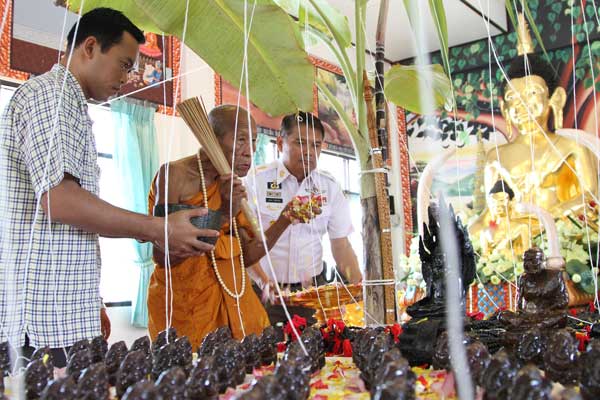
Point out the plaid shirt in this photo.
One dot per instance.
(50, 272)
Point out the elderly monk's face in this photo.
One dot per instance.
(238, 147)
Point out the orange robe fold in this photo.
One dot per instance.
(200, 305)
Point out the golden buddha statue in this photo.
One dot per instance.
(501, 228)
(543, 168)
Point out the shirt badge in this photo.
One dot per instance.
(274, 186)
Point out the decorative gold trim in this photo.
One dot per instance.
(405, 177)
(218, 90)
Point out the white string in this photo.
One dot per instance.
(48, 193)
(162, 82)
(587, 37)
(247, 29)
(252, 176)
(308, 177)
(62, 34)
(317, 183)
(497, 151)
(550, 142)
(168, 273)
(384, 170)
(552, 146)
(2, 327)
(539, 127)
(267, 256)
(454, 314)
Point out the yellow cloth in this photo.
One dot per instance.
(200, 305)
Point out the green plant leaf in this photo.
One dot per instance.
(405, 86)
(321, 15)
(438, 14)
(534, 28)
(511, 13)
(280, 74)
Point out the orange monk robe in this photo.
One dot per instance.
(200, 305)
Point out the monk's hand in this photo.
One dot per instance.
(231, 196)
(268, 291)
(183, 236)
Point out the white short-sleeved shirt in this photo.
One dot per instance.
(298, 254)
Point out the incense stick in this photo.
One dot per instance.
(194, 114)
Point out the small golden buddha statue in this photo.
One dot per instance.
(500, 228)
(543, 168)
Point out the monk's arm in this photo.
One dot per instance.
(254, 248)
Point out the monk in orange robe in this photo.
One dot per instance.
(200, 304)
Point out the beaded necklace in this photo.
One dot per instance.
(212, 253)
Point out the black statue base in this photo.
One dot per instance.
(418, 340)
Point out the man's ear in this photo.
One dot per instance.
(280, 144)
(89, 46)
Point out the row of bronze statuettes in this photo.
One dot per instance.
(506, 354)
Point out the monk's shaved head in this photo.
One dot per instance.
(222, 119)
(237, 149)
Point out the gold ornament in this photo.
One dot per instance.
(524, 42)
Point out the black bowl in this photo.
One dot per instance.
(212, 220)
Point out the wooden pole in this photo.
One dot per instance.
(383, 208)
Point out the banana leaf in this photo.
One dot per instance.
(320, 15)
(405, 85)
(438, 14)
(281, 75)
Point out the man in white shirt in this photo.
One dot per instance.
(297, 257)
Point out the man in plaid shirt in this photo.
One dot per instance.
(50, 212)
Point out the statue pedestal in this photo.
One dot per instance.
(490, 298)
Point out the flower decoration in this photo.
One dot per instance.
(394, 330)
(337, 338)
(302, 209)
(299, 324)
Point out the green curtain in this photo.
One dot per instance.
(136, 162)
(261, 149)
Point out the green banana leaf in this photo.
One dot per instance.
(320, 15)
(281, 75)
(404, 85)
(438, 13)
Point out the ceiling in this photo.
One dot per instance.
(464, 20)
(465, 24)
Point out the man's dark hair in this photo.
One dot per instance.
(106, 25)
(502, 187)
(536, 66)
(299, 120)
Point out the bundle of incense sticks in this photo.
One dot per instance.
(194, 114)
